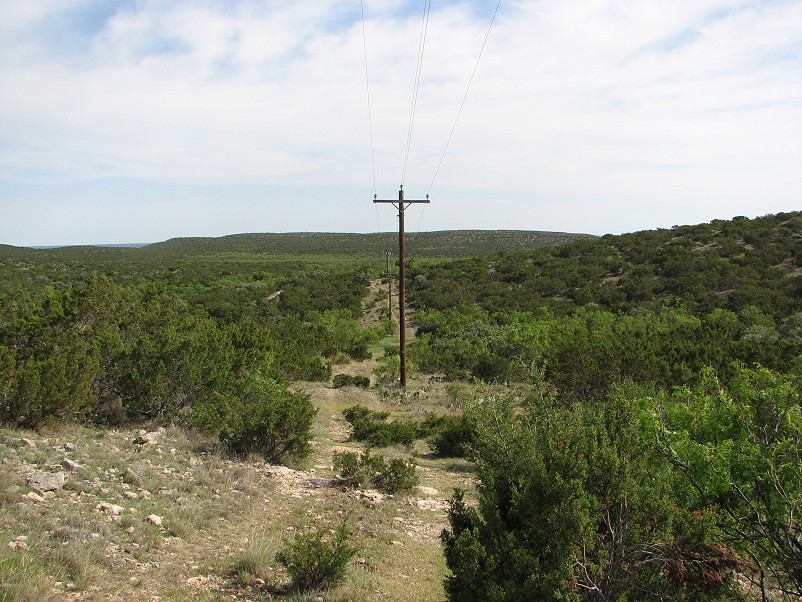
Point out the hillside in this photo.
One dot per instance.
(726, 264)
(658, 306)
(451, 243)
(249, 257)
(447, 243)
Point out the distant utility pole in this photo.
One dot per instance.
(388, 252)
(401, 204)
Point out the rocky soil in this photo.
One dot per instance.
(161, 514)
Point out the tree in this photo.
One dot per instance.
(737, 451)
(46, 367)
(574, 505)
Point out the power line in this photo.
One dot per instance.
(421, 44)
(367, 89)
(465, 97)
(420, 221)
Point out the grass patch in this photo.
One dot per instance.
(24, 577)
(256, 561)
(79, 562)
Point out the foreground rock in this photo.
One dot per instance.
(45, 481)
(71, 465)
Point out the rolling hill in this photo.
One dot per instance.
(449, 243)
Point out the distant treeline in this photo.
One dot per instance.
(448, 243)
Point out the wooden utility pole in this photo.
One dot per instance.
(401, 204)
(388, 252)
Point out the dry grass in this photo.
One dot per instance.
(221, 520)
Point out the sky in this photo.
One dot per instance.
(137, 121)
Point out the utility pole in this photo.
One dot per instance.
(401, 204)
(387, 252)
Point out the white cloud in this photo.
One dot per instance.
(665, 111)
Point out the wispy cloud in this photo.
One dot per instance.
(587, 116)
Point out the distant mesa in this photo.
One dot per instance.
(441, 244)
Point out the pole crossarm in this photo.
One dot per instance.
(395, 203)
(401, 204)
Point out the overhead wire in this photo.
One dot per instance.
(464, 98)
(370, 117)
(367, 90)
(416, 89)
(427, 5)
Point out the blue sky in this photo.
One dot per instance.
(144, 120)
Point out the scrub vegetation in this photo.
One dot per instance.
(612, 418)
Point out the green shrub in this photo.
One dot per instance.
(45, 376)
(347, 465)
(264, 418)
(389, 326)
(359, 412)
(575, 504)
(451, 436)
(398, 475)
(737, 447)
(317, 562)
(354, 470)
(346, 380)
(358, 350)
(370, 426)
